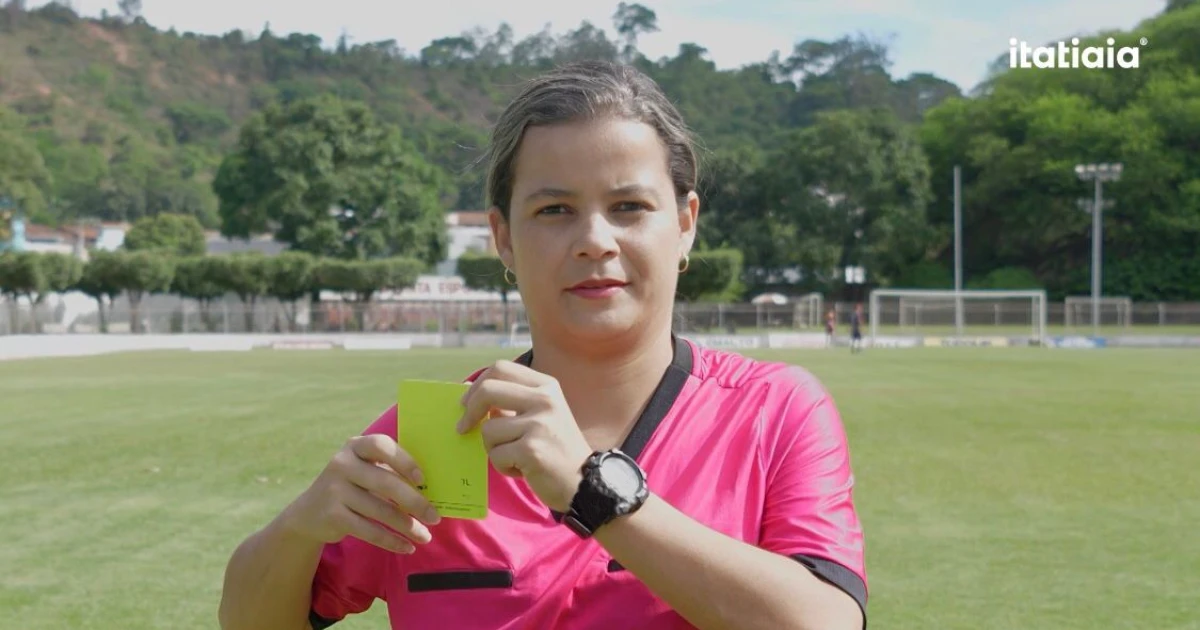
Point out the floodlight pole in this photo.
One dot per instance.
(1097, 173)
(958, 302)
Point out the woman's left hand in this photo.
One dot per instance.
(534, 436)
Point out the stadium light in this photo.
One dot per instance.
(958, 270)
(1097, 173)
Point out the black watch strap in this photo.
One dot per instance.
(594, 504)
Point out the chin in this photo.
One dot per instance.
(601, 326)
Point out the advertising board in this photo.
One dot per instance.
(884, 341)
(1077, 342)
(795, 340)
(966, 342)
(729, 342)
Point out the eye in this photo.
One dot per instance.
(634, 206)
(552, 210)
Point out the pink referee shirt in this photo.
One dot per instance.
(755, 450)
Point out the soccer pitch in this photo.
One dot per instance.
(1011, 488)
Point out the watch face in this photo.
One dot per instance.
(620, 476)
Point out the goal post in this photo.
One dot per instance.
(934, 312)
(1077, 311)
(808, 311)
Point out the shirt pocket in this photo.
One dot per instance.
(459, 580)
(462, 598)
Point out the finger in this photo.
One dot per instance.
(508, 371)
(508, 458)
(372, 507)
(474, 384)
(386, 485)
(374, 533)
(382, 449)
(499, 394)
(502, 430)
(516, 373)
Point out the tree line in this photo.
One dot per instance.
(815, 160)
(165, 254)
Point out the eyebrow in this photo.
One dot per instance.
(560, 193)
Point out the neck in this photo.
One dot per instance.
(608, 386)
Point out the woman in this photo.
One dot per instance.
(638, 481)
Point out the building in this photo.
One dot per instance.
(216, 244)
(74, 239)
(468, 230)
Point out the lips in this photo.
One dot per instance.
(598, 289)
(602, 283)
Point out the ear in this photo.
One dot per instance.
(687, 223)
(501, 236)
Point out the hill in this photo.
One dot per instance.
(816, 160)
(133, 121)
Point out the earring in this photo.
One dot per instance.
(510, 277)
(685, 262)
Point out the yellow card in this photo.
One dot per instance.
(455, 466)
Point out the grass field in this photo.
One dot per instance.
(1003, 488)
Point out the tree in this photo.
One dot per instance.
(359, 280)
(200, 278)
(1018, 143)
(848, 73)
(330, 180)
(24, 178)
(710, 274)
(36, 276)
(485, 272)
(245, 274)
(99, 280)
(130, 9)
(139, 274)
(177, 234)
(588, 42)
(21, 275)
(632, 21)
(853, 189)
(290, 277)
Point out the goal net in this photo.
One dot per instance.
(807, 311)
(967, 313)
(1114, 311)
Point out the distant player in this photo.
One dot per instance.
(856, 320)
(830, 324)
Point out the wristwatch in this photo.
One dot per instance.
(613, 485)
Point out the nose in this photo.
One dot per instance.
(596, 237)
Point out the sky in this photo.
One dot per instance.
(955, 40)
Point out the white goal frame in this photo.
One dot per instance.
(815, 303)
(1038, 299)
(518, 333)
(1124, 309)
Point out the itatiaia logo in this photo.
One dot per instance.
(1021, 55)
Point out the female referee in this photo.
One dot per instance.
(638, 480)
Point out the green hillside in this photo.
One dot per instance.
(815, 159)
(132, 120)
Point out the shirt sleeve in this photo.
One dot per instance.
(351, 574)
(809, 511)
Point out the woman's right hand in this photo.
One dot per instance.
(370, 481)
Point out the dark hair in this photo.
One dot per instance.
(586, 91)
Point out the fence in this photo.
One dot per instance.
(170, 314)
